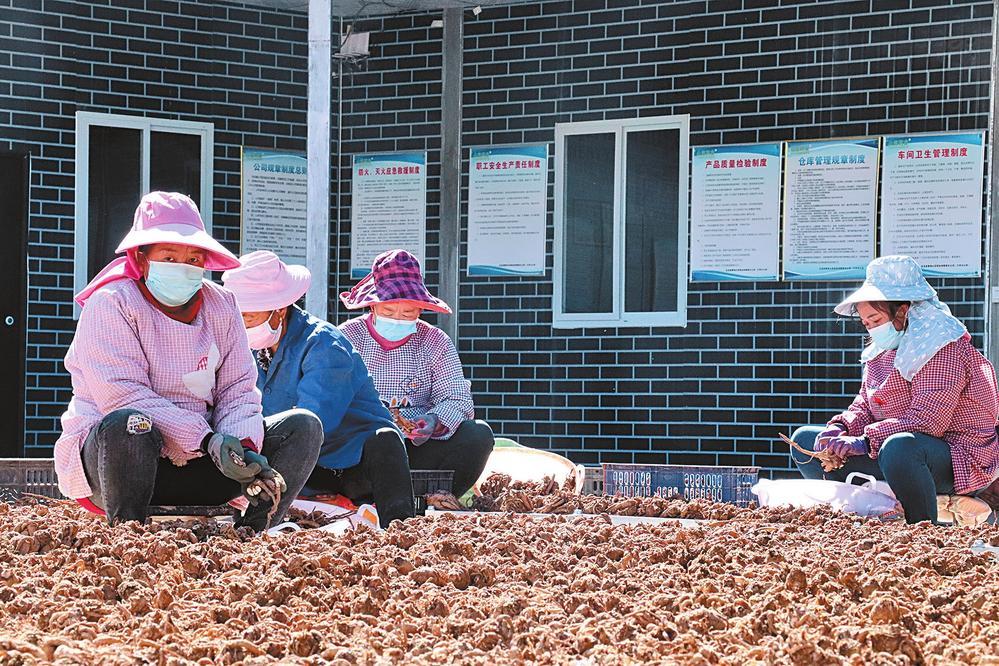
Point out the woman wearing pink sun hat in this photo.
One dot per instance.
(305, 361)
(417, 370)
(164, 407)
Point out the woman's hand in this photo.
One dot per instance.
(845, 446)
(267, 482)
(426, 430)
(832, 431)
(228, 455)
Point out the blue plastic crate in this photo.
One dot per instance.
(718, 484)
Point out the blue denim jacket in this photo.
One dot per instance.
(316, 368)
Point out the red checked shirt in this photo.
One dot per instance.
(423, 373)
(952, 397)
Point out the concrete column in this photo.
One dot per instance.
(317, 253)
(450, 235)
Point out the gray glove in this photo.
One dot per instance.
(428, 426)
(227, 454)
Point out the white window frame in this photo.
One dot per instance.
(618, 317)
(84, 121)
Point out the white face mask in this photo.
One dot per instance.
(263, 336)
(885, 336)
(394, 329)
(174, 284)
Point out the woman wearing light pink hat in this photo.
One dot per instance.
(307, 362)
(165, 408)
(417, 370)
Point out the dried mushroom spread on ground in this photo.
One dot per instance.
(765, 587)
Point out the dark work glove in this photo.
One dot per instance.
(267, 483)
(228, 455)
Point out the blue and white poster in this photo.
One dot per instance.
(931, 201)
(735, 213)
(830, 208)
(273, 202)
(507, 210)
(389, 207)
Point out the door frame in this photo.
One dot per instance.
(14, 446)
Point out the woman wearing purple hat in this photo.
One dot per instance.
(306, 362)
(925, 417)
(164, 407)
(417, 370)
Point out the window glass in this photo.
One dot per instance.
(175, 163)
(651, 219)
(588, 252)
(114, 182)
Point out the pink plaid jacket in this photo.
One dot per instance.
(952, 397)
(425, 374)
(190, 379)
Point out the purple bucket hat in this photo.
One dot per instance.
(395, 276)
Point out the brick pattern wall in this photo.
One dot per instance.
(242, 68)
(756, 358)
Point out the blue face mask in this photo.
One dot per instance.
(173, 284)
(394, 329)
(885, 336)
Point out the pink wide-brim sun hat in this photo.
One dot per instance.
(395, 276)
(264, 283)
(171, 217)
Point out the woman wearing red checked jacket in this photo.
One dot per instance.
(416, 369)
(925, 417)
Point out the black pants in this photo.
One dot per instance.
(465, 452)
(382, 476)
(127, 474)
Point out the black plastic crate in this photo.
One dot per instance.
(28, 475)
(426, 481)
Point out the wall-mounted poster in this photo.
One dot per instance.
(507, 210)
(931, 201)
(735, 213)
(830, 208)
(389, 211)
(273, 202)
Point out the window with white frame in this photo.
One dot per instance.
(621, 223)
(118, 159)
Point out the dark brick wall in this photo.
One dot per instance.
(238, 67)
(756, 358)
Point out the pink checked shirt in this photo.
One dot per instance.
(425, 372)
(952, 397)
(189, 379)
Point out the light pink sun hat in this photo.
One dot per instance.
(171, 217)
(263, 282)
